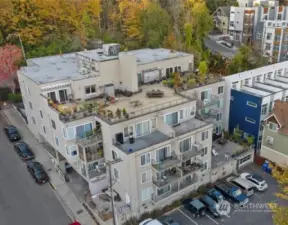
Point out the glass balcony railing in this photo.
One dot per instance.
(166, 163)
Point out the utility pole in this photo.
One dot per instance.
(109, 164)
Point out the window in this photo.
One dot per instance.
(146, 176)
(93, 166)
(185, 145)
(269, 140)
(204, 166)
(232, 98)
(246, 82)
(205, 95)
(128, 131)
(147, 193)
(191, 111)
(264, 109)
(269, 36)
(273, 126)
(234, 84)
(270, 106)
(267, 46)
(145, 159)
(250, 120)
(252, 104)
(204, 151)
(83, 131)
(114, 155)
(279, 16)
(44, 129)
(63, 96)
(52, 96)
(204, 135)
(67, 151)
(279, 72)
(90, 89)
(261, 127)
(53, 124)
(245, 159)
(231, 23)
(142, 128)
(73, 150)
(64, 132)
(183, 114)
(220, 90)
(258, 78)
(30, 105)
(162, 154)
(56, 141)
(41, 114)
(171, 119)
(153, 123)
(33, 119)
(116, 173)
(276, 48)
(219, 117)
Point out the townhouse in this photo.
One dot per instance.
(250, 97)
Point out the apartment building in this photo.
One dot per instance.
(275, 135)
(251, 99)
(272, 39)
(253, 3)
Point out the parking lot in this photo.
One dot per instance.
(257, 212)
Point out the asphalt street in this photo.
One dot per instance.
(22, 201)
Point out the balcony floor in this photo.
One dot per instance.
(190, 154)
(169, 179)
(166, 164)
(146, 141)
(188, 126)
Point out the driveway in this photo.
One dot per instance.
(256, 212)
(22, 201)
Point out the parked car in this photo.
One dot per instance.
(210, 204)
(12, 133)
(195, 206)
(37, 171)
(215, 195)
(167, 220)
(24, 151)
(243, 184)
(150, 222)
(232, 193)
(257, 181)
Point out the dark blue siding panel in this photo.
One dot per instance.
(239, 110)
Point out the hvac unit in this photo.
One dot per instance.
(111, 49)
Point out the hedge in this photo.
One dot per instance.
(14, 98)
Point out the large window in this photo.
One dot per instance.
(162, 154)
(205, 95)
(145, 159)
(116, 174)
(204, 151)
(52, 95)
(83, 130)
(128, 130)
(204, 135)
(185, 145)
(146, 176)
(171, 119)
(142, 128)
(147, 193)
(273, 126)
(63, 95)
(264, 109)
(219, 116)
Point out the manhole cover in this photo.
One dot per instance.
(79, 211)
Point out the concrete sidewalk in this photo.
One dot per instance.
(71, 204)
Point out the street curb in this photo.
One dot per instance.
(52, 185)
(6, 117)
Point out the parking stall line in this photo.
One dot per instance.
(187, 216)
(227, 215)
(212, 219)
(258, 196)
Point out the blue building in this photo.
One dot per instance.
(251, 103)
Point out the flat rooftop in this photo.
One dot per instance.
(64, 67)
(146, 141)
(225, 152)
(188, 126)
(140, 104)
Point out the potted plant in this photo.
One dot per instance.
(124, 111)
(110, 114)
(250, 140)
(75, 109)
(100, 152)
(118, 113)
(50, 102)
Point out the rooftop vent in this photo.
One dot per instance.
(111, 49)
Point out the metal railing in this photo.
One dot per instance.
(208, 102)
(187, 182)
(169, 178)
(89, 140)
(167, 163)
(174, 189)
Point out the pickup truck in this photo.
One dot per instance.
(232, 193)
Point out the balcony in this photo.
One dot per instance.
(99, 171)
(160, 196)
(89, 140)
(170, 177)
(187, 181)
(191, 168)
(209, 115)
(165, 164)
(188, 126)
(195, 151)
(90, 153)
(213, 100)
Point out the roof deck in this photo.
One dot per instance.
(137, 105)
(143, 142)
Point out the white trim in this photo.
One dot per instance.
(134, 131)
(149, 163)
(275, 118)
(250, 121)
(118, 174)
(251, 104)
(165, 146)
(272, 129)
(155, 123)
(183, 139)
(55, 87)
(270, 149)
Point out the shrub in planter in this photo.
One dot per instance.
(164, 82)
(15, 97)
(171, 83)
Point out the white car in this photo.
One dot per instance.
(258, 182)
(150, 222)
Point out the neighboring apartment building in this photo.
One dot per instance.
(250, 98)
(221, 19)
(272, 39)
(253, 3)
(275, 135)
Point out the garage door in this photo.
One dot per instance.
(150, 76)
